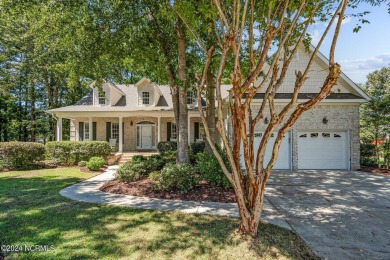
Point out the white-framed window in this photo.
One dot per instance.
(145, 98)
(102, 98)
(115, 131)
(86, 131)
(173, 132)
(190, 97)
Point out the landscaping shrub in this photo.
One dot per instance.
(95, 163)
(132, 171)
(169, 156)
(82, 163)
(72, 152)
(177, 176)
(21, 155)
(166, 146)
(367, 155)
(210, 169)
(156, 162)
(138, 158)
(197, 147)
(1, 164)
(154, 176)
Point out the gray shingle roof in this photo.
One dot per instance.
(309, 96)
(86, 100)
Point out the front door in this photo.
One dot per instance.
(146, 137)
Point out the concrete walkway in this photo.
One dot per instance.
(88, 191)
(339, 214)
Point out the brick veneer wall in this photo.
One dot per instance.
(340, 118)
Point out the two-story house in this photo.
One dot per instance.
(138, 116)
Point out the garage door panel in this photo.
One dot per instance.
(322, 150)
(284, 159)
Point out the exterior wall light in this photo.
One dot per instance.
(325, 120)
(266, 121)
(131, 123)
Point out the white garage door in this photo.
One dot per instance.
(284, 159)
(322, 150)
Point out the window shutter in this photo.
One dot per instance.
(196, 131)
(123, 132)
(169, 129)
(108, 131)
(81, 131)
(94, 131)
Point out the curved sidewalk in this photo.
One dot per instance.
(88, 191)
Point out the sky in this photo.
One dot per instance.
(363, 52)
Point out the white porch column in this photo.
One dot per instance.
(189, 129)
(59, 129)
(90, 129)
(120, 150)
(158, 129)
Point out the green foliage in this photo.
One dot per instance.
(169, 156)
(132, 171)
(138, 158)
(156, 162)
(197, 147)
(21, 155)
(367, 155)
(210, 169)
(1, 164)
(167, 146)
(82, 163)
(375, 115)
(95, 163)
(72, 152)
(154, 176)
(178, 176)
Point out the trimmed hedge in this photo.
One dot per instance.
(72, 152)
(179, 176)
(210, 169)
(95, 163)
(197, 147)
(166, 146)
(21, 155)
(132, 171)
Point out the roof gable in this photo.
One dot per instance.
(316, 76)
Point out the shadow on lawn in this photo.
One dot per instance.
(33, 213)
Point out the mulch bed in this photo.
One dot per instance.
(381, 171)
(85, 169)
(144, 188)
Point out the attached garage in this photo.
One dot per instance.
(284, 159)
(323, 150)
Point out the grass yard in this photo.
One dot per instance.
(33, 213)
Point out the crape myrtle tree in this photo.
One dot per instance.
(260, 39)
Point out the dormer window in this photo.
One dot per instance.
(190, 97)
(102, 98)
(145, 98)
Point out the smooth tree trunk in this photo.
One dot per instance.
(210, 108)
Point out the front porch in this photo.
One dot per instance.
(136, 134)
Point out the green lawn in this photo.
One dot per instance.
(33, 213)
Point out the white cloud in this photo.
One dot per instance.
(316, 36)
(359, 68)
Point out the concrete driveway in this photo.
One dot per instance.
(339, 214)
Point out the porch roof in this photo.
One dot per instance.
(90, 108)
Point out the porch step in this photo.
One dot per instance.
(126, 157)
